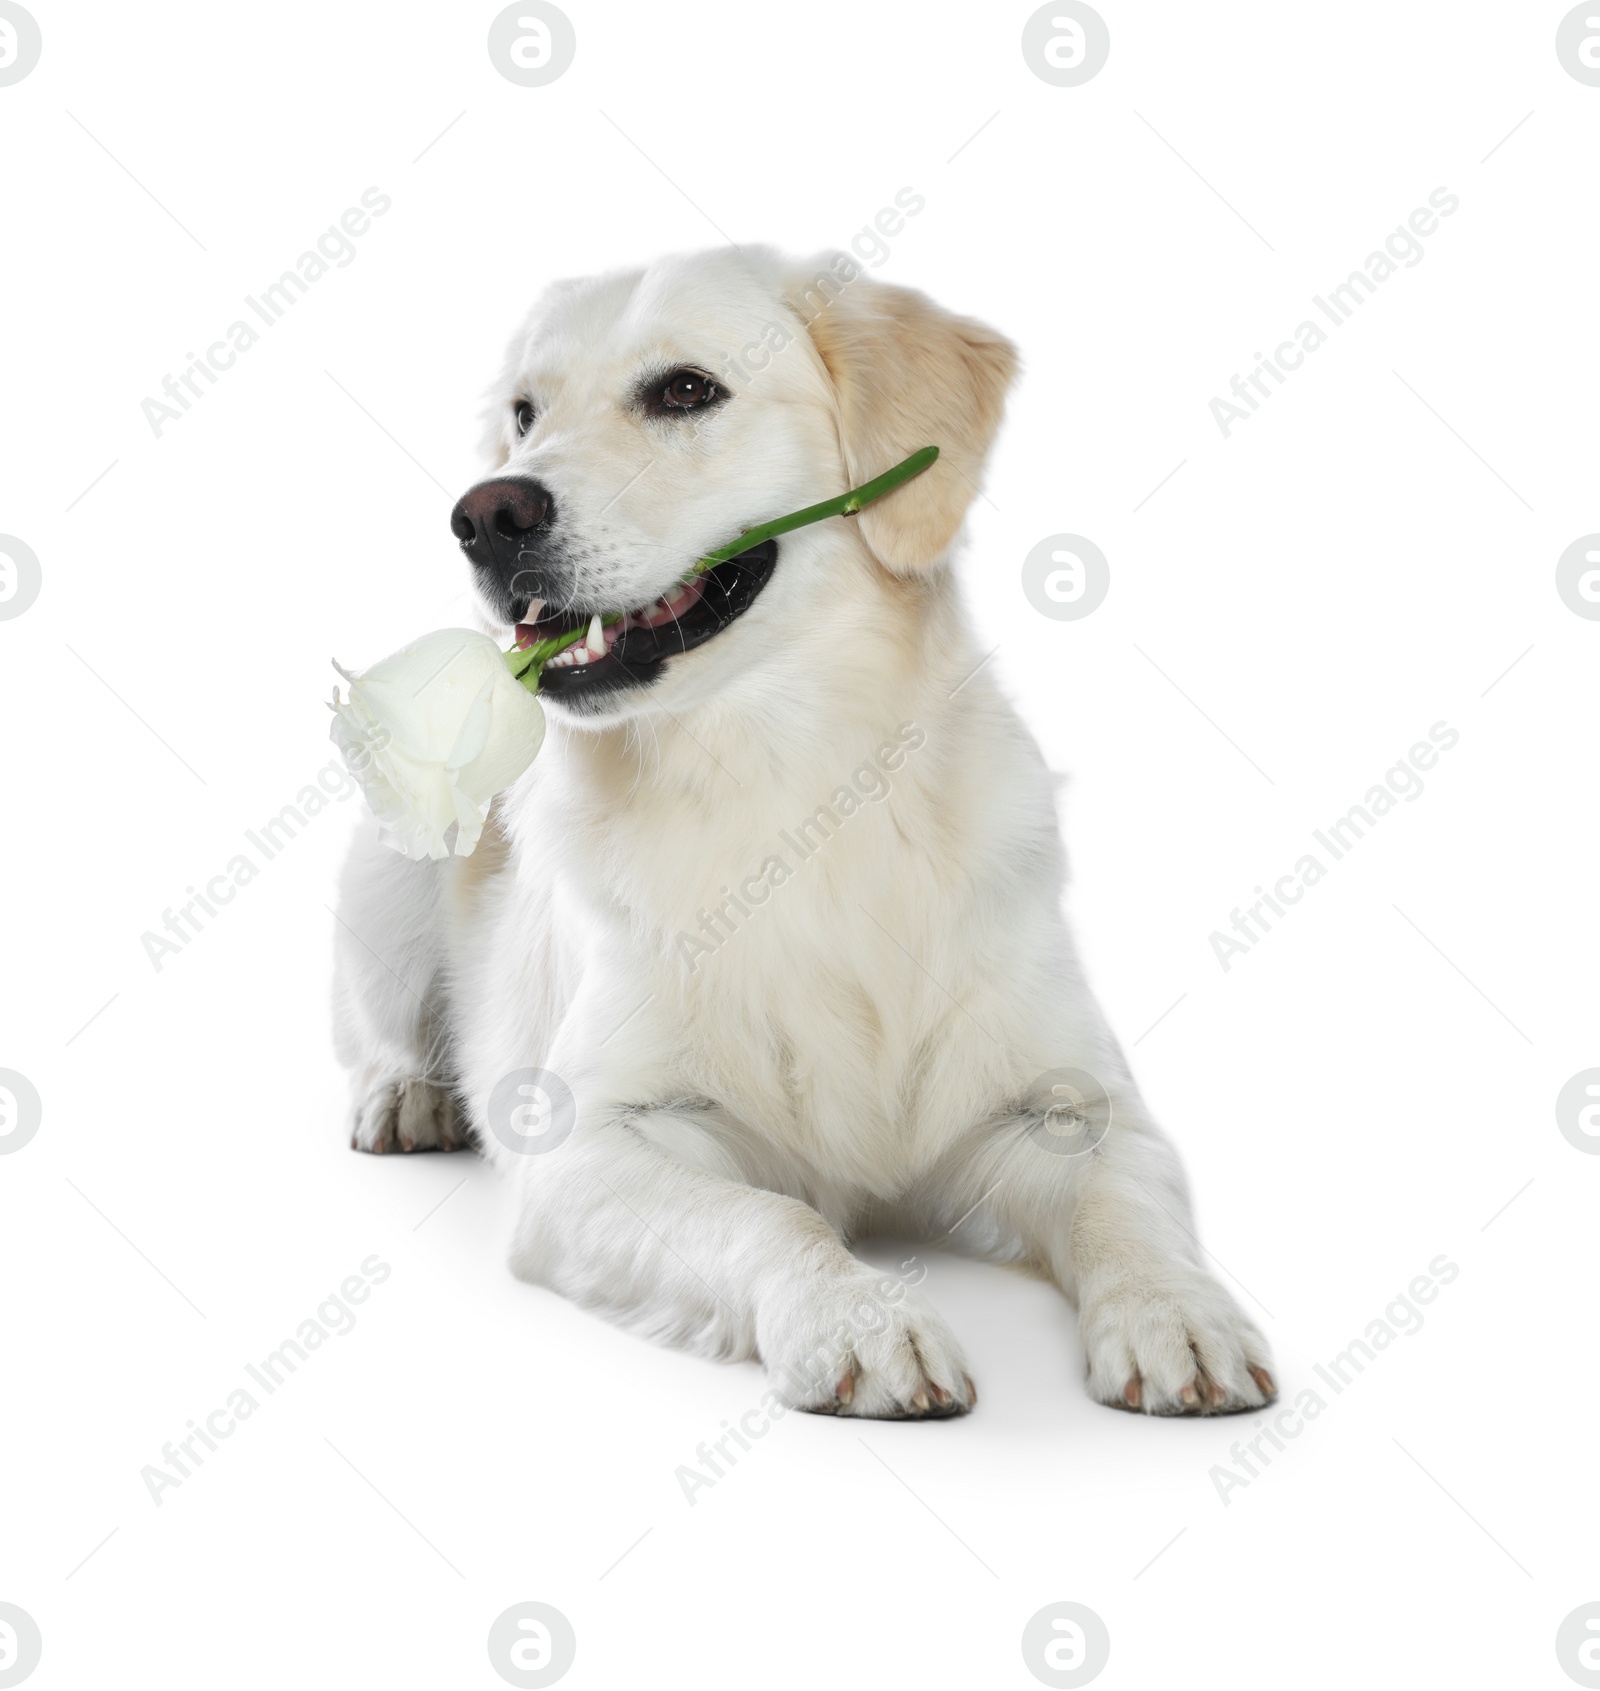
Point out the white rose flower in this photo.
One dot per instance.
(433, 732)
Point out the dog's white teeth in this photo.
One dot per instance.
(598, 639)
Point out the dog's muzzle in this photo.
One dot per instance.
(504, 527)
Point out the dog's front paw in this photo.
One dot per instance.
(864, 1345)
(399, 1113)
(1179, 1345)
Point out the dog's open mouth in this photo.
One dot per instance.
(640, 642)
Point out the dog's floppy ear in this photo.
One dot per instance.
(906, 373)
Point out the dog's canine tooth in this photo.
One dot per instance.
(595, 639)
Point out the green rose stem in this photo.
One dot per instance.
(527, 662)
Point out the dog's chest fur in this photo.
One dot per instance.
(798, 938)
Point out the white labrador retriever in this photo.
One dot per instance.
(766, 950)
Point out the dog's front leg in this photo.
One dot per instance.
(642, 1214)
(1093, 1194)
(1161, 1333)
(390, 1010)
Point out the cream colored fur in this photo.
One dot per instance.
(864, 1048)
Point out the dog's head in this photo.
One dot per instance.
(645, 419)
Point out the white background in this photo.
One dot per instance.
(1364, 1091)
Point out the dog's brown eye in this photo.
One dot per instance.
(687, 389)
(676, 392)
(524, 416)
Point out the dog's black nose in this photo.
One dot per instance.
(503, 526)
(495, 520)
